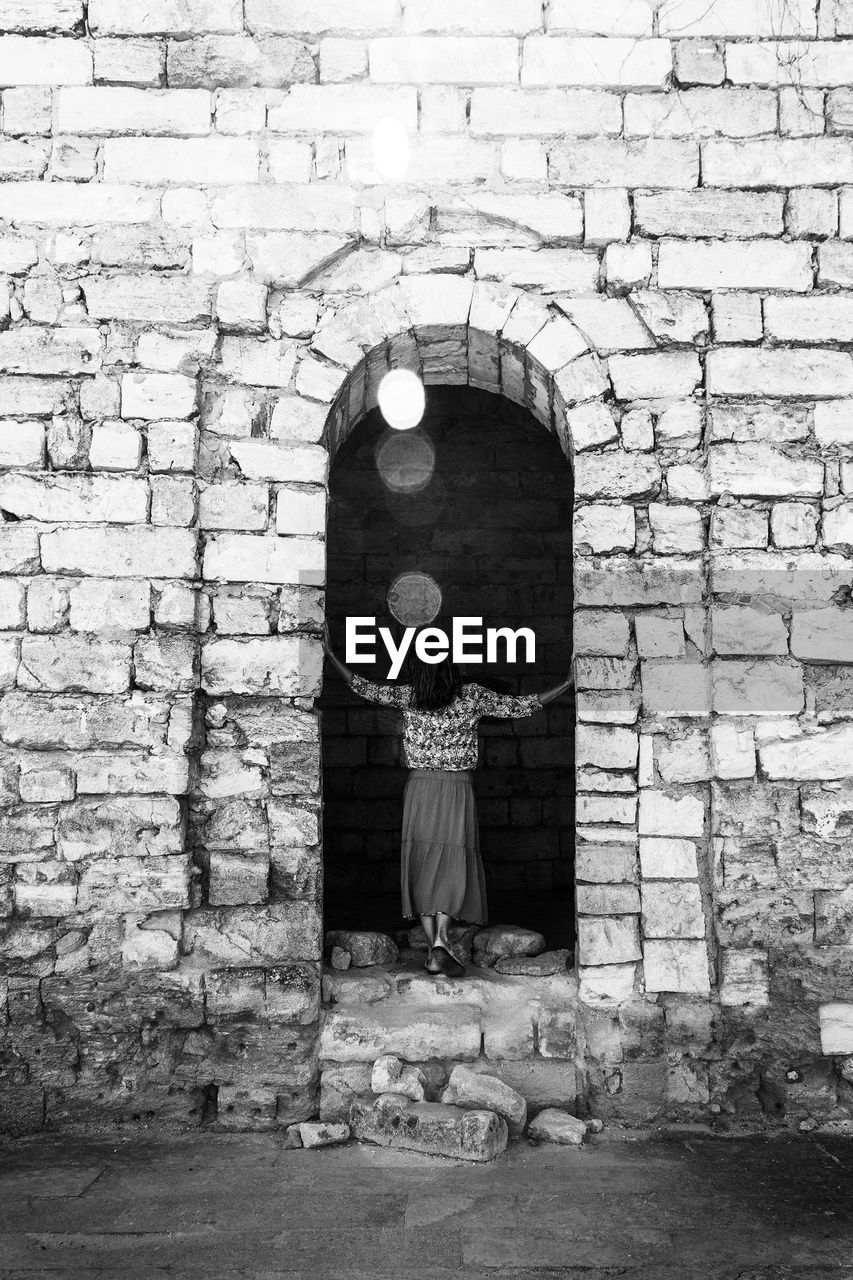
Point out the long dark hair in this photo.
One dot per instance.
(434, 684)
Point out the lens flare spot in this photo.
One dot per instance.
(391, 149)
(402, 399)
(414, 599)
(405, 462)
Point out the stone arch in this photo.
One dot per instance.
(451, 329)
(456, 331)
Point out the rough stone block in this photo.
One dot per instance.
(676, 688)
(432, 1128)
(676, 966)
(663, 814)
(554, 1125)
(759, 688)
(744, 978)
(478, 1091)
(238, 878)
(836, 1027)
(608, 940)
(444, 60)
(358, 1034)
(672, 911)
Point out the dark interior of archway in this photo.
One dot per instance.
(492, 526)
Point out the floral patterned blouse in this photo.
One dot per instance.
(447, 738)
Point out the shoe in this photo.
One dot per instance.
(447, 962)
(432, 963)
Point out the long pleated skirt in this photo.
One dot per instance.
(441, 867)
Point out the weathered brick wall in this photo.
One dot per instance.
(492, 524)
(637, 224)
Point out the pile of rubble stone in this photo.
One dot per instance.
(476, 1113)
(506, 948)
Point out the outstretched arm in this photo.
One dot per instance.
(339, 666)
(387, 695)
(550, 695)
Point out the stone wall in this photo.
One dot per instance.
(492, 525)
(636, 223)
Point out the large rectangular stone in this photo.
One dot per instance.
(744, 979)
(825, 317)
(63, 662)
(692, 113)
(158, 395)
(671, 814)
(363, 1033)
(40, 15)
(608, 939)
(239, 61)
(836, 1027)
(667, 858)
(826, 64)
(762, 470)
(38, 60)
(824, 755)
(616, 62)
(748, 264)
(284, 207)
(647, 162)
(135, 884)
(758, 688)
(74, 204)
(544, 113)
(155, 112)
(444, 60)
(739, 629)
(780, 162)
(140, 552)
(676, 688)
(747, 371)
(350, 17)
(676, 966)
(648, 377)
(68, 499)
(833, 909)
(165, 17)
(49, 351)
(344, 109)
(157, 298)
(709, 213)
(606, 864)
(673, 910)
(476, 17)
(563, 270)
(607, 748)
(248, 558)
(612, 580)
(259, 935)
(822, 635)
(690, 18)
(270, 665)
(214, 161)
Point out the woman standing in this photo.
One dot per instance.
(442, 875)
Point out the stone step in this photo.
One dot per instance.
(430, 1127)
(363, 1033)
(410, 984)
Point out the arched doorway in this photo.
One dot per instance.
(480, 498)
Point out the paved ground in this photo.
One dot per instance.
(222, 1207)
